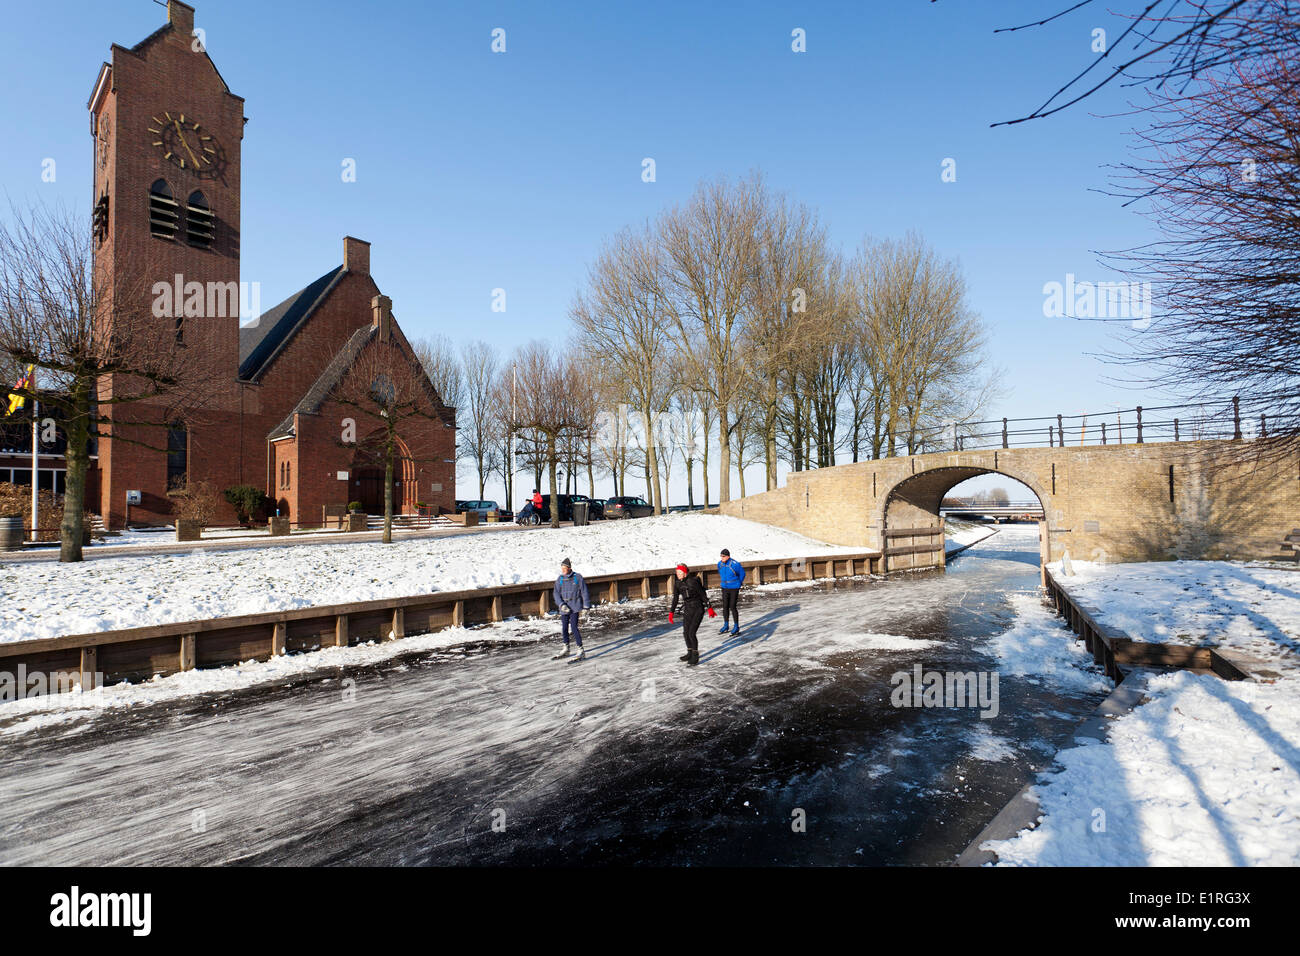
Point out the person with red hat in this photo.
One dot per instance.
(689, 590)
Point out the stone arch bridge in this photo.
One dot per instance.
(1111, 503)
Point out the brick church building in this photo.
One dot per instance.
(167, 133)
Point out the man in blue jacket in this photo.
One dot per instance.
(730, 577)
(570, 598)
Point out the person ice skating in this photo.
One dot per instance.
(570, 598)
(731, 575)
(694, 599)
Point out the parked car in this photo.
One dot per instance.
(628, 506)
(482, 507)
(527, 515)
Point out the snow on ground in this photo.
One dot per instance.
(47, 599)
(959, 534)
(1252, 607)
(1040, 648)
(1206, 772)
(893, 642)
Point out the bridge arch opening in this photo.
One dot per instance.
(912, 519)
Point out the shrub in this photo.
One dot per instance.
(249, 501)
(354, 506)
(198, 502)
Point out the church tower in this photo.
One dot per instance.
(167, 133)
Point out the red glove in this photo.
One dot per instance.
(712, 613)
(670, 617)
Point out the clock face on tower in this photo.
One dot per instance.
(182, 140)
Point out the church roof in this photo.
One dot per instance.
(320, 389)
(261, 340)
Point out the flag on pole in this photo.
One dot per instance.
(17, 401)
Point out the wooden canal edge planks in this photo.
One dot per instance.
(1117, 653)
(142, 652)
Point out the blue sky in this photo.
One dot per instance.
(478, 170)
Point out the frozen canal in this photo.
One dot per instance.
(495, 754)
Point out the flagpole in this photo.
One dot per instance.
(36, 457)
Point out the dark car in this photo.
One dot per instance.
(628, 506)
(596, 510)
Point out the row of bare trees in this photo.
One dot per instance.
(735, 312)
(729, 323)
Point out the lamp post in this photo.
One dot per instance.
(36, 456)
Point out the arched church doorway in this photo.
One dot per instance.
(368, 475)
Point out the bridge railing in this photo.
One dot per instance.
(1228, 419)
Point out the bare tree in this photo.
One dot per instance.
(104, 363)
(792, 245)
(1167, 45)
(711, 247)
(925, 344)
(626, 315)
(545, 407)
(479, 372)
(437, 356)
(1218, 173)
(384, 381)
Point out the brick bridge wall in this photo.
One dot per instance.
(1101, 502)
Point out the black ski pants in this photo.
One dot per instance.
(692, 614)
(730, 606)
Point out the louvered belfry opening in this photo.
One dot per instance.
(99, 219)
(200, 224)
(164, 211)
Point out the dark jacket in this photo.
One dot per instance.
(690, 591)
(571, 589)
(730, 574)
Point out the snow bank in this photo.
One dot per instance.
(47, 599)
(1207, 772)
(1204, 775)
(959, 534)
(1247, 606)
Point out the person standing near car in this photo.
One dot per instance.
(689, 590)
(731, 575)
(570, 598)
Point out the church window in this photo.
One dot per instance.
(178, 454)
